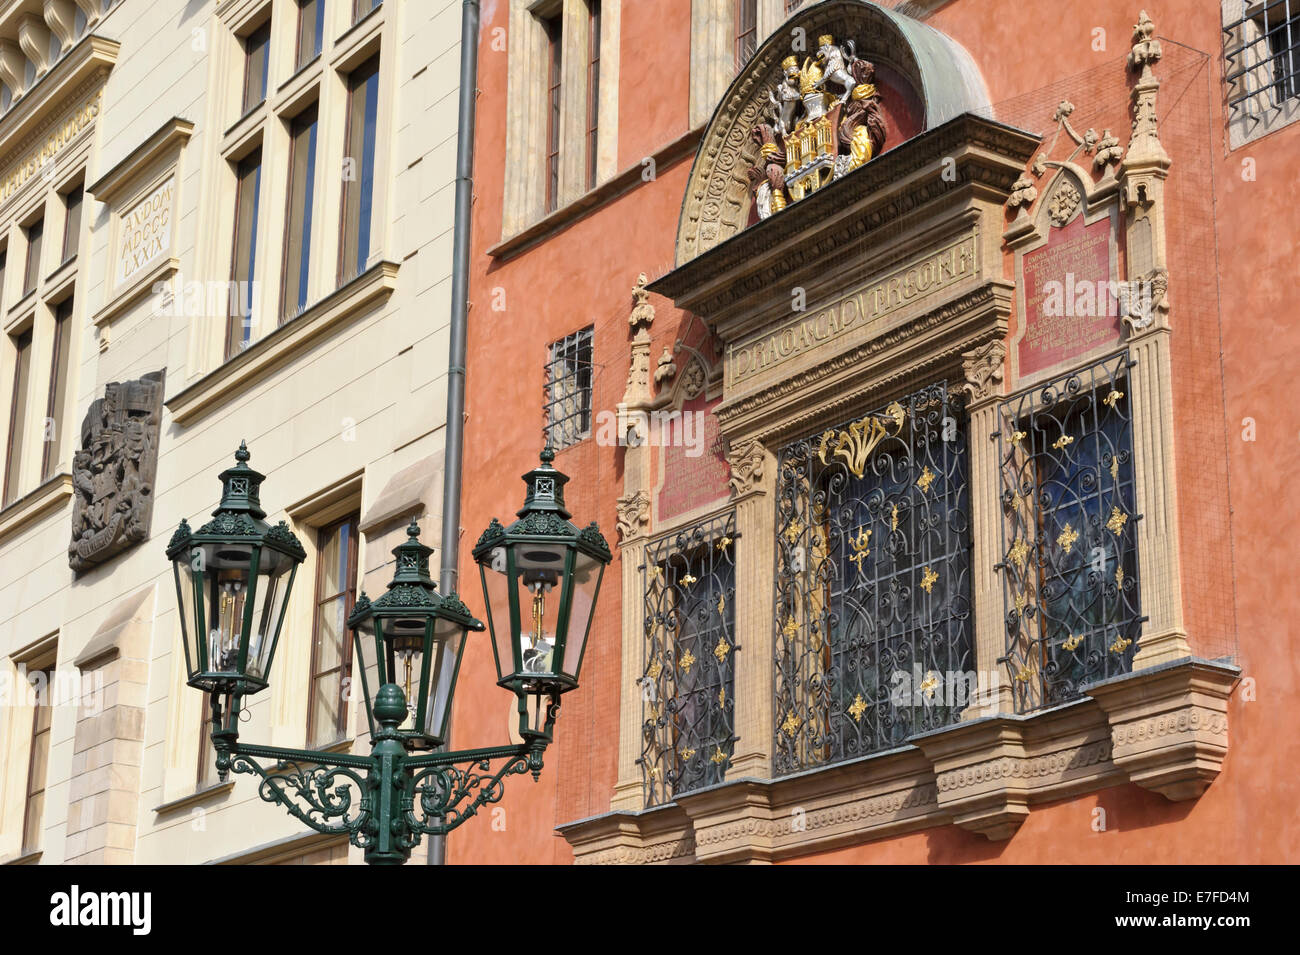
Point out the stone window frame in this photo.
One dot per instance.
(16, 747)
(36, 311)
(713, 49)
(524, 186)
(1255, 114)
(321, 80)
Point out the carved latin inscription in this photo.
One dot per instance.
(920, 280)
(146, 232)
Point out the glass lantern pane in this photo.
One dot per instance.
(226, 575)
(586, 581)
(404, 645)
(363, 664)
(448, 638)
(539, 583)
(184, 573)
(276, 572)
(496, 594)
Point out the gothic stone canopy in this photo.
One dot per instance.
(839, 82)
(113, 471)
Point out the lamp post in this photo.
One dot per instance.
(541, 576)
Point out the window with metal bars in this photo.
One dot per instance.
(567, 396)
(873, 623)
(1261, 53)
(1069, 563)
(688, 684)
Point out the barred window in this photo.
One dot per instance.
(568, 390)
(687, 688)
(1069, 562)
(873, 623)
(1261, 53)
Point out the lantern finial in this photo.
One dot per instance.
(242, 454)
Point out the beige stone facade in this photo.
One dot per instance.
(340, 393)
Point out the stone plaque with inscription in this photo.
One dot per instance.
(1070, 306)
(146, 234)
(695, 468)
(113, 472)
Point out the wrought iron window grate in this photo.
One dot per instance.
(1069, 564)
(1261, 57)
(873, 624)
(687, 686)
(567, 395)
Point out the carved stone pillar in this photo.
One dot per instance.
(753, 480)
(984, 388)
(1144, 170)
(633, 530)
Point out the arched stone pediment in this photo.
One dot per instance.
(924, 76)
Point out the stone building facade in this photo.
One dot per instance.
(922, 356)
(218, 222)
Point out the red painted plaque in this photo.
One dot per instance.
(1070, 305)
(695, 468)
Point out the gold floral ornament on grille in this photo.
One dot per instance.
(1017, 437)
(1067, 538)
(929, 685)
(856, 442)
(861, 546)
(791, 725)
(928, 579)
(793, 531)
(722, 649)
(723, 543)
(722, 604)
(1120, 645)
(1019, 553)
(687, 579)
(655, 669)
(1023, 674)
(687, 753)
(1063, 442)
(722, 697)
(926, 479)
(718, 756)
(1073, 643)
(1117, 521)
(1119, 578)
(791, 627)
(1110, 400)
(1114, 468)
(686, 661)
(858, 707)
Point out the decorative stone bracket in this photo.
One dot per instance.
(1164, 729)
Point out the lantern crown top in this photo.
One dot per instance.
(241, 487)
(545, 487)
(412, 560)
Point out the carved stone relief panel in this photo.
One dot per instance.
(113, 471)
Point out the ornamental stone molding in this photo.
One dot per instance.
(982, 367)
(746, 462)
(633, 512)
(1163, 729)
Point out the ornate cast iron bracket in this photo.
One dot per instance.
(385, 802)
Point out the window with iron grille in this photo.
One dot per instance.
(687, 687)
(1069, 562)
(873, 623)
(568, 390)
(1261, 53)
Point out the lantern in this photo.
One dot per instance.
(541, 577)
(233, 578)
(413, 637)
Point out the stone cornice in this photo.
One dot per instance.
(85, 65)
(164, 141)
(1164, 728)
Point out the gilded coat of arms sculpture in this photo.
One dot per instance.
(824, 121)
(113, 472)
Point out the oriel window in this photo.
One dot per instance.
(359, 169)
(297, 238)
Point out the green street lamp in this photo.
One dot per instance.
(233, 579)
(541, 576)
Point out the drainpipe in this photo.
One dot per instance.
(455, 430)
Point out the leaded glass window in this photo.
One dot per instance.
(1069, 561)
(688, 684)
(873, 623)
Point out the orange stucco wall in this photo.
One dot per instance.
(1238, 589)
